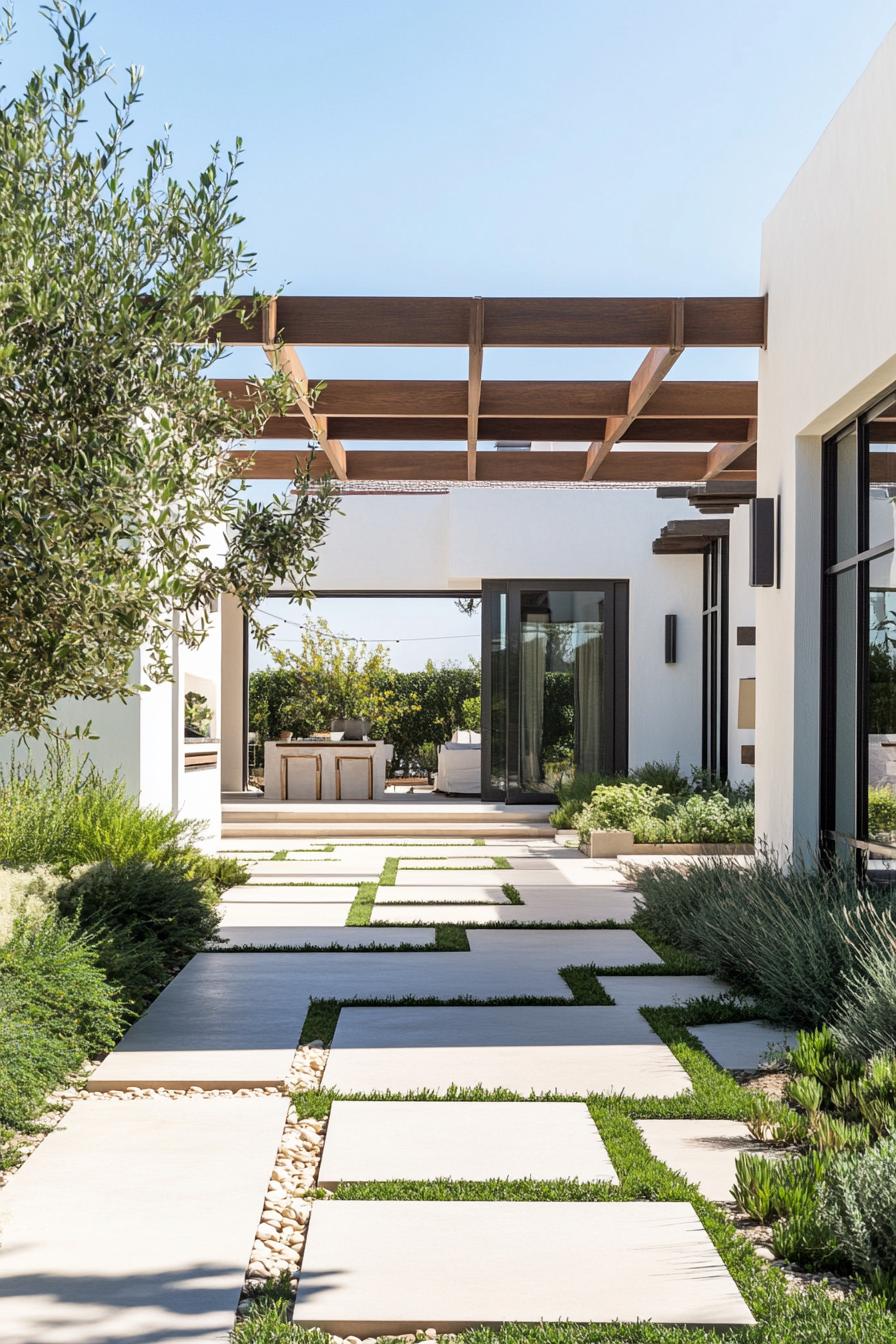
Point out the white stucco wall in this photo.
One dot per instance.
(741, 657)
(453, 540)
(829, 268)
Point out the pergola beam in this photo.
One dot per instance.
(446, 429)
(648, 376)
(724, 455)
(524, 322)
(508, 398)
(284, 358)
(441, 465)
(474, 382)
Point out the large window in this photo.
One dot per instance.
(858, 786)
(554, 685)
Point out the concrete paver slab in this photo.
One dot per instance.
(135, 1221)
(744, 1045)
(444, 914)
(570, 875)
(234, 1019)
(571, 1051)
(227, 1020)
(577, 947)
(704, 1151)
(263, 916)
(378, 1268)
(422, 893)
(462, 1141)
(561, 908)
(324, 934)
(316, 875)
(660, 991)
(289, 895)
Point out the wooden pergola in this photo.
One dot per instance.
(609, 419)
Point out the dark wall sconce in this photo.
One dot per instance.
(671, 639)
(762, 543)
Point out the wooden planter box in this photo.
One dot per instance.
(613, 844)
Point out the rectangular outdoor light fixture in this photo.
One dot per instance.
(671, 639)
(762, 543)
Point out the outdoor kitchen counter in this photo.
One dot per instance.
(306, 770)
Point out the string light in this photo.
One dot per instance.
(355, 639)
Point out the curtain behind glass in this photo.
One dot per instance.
(588, 696)
(533, 649)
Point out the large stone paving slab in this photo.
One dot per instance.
(263, 917)
(571, 875)
(462, 1141)
(424, 894)
(227, 1020)
(376, 1268)
(134, 1221)
(529, 1050)
(704, 1151)
(234, 1019)
(660, 991)
(324, 934)
(577, 947)
(444, 914)
(293, 894)
(744, 1045)
(538, 908)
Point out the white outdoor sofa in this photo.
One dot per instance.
(458, 767)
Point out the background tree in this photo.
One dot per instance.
(334, 678)
(117, 487)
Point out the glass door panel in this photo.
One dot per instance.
(550, 672)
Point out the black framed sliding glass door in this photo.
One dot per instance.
(555, 678)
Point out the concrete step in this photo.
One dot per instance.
(446, 817)
(242, 829)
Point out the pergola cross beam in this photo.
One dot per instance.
(648, 376)
(286, 359)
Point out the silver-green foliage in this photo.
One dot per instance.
(857, 1209)
(866, 1022)
(25, 895)
(112, 436)
(780, 931)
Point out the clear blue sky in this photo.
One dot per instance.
(493, 147)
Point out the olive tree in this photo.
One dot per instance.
(116, 476)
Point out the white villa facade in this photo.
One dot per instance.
(829, 272)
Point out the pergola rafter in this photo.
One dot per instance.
(285, 358)
(604, 422)
(651, 372)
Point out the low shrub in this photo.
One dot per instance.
(215, 872)
(866, 1018)
(146, 921)
(657, 816)
(665, 775)
(25, 894)
(621, 807)
(857, 1211)
(56, 1009)
(66, 814)
(781, 933)
(573, 792)
(881, 811)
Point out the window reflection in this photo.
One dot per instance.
(881, 699)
